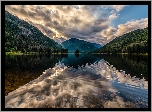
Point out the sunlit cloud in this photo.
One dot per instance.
(131, 25)
(88, 22)
(118, 8)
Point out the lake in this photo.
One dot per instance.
(82, 80)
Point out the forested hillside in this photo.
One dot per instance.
(83, 46)
(20, 36)
(132, 42)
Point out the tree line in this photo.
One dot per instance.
(133, 42)
(20, 36)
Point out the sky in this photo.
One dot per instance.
(93, 23)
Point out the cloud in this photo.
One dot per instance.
(117, 8)
(88, 22)
(113, 16)
(59, 40)
(109, 31)
(131, 25)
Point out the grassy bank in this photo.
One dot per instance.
(13, 53)
(20, 53)
(31, 53)
(27, 53)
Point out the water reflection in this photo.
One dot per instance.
(97, 85)
(135, 65)
(20, 70)
(77, 55)
(76, 60)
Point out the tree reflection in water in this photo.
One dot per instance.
(97, 85)
(20, 70)
(77, 55)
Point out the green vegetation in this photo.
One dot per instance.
(84, 47)
(135, 42)
(77, 51)
(21, 37)
(27, 53)
(135, 65)
(13, 53)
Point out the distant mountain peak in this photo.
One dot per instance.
(83, 46)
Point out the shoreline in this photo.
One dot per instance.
(36, 53)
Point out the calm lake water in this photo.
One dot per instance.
(20, 70)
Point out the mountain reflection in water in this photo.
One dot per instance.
(97, 85)
(76, 60)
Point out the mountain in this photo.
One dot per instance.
(83, 46)
(97, 45)
(22, 36)
(133, 42)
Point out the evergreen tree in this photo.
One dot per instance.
(133, 42)
(77, 51)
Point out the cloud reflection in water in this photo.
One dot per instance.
(98, 85)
